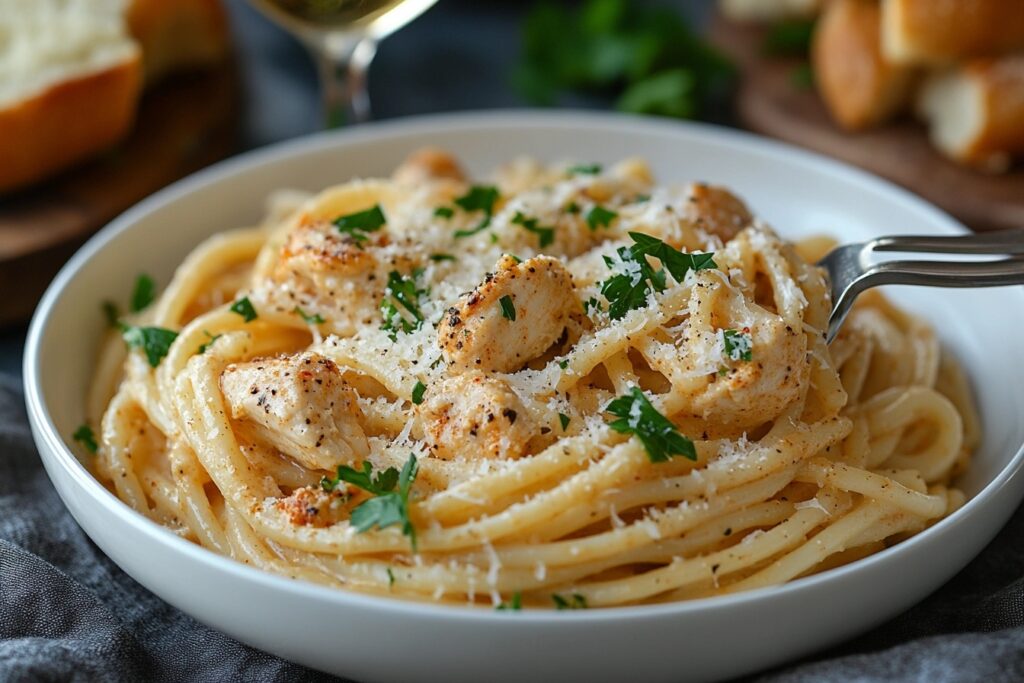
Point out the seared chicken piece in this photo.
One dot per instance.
(428, 163)
(480, 332)
(716, 210)
(312, 506)
(299, 405)
(475, 416)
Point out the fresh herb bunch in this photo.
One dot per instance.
(646, 56)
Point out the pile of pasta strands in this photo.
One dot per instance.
(462, 332)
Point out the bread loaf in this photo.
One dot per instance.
(939, 32)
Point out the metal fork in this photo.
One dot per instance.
(851, 272)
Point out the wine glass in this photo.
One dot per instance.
(342, 36)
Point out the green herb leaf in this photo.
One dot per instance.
(584, 169)
(417, 392)
(442, 257)
(790, 38)
(513, 605)
(659, 436)
(600, 217)
(674, 260)
(444, 212)
(154, 341)
(111, 313)
(572, 207)
(484, 223)
(563, 419)
(479, 198)
(389, 506)
(143, 293)
(563, 364)
(575, 601)
(545, 234)
(315, 319)
(668, 93)
(243, 307)
(508, 309)
(213, 337)
(358, 225)
(85, 436)
(391, 578)
(738, 345)
(401, 291)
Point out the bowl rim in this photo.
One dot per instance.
(54, 448)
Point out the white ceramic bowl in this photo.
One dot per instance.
(382, 639)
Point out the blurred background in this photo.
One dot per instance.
(102, 102)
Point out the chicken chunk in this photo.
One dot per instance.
(428, 163)
(716, 210)
(312, 506)
(475, 416)
(513, 316)
(299, 405)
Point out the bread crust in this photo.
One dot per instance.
(859, 85)
(68, 122)
(934, 32)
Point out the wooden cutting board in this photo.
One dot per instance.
(770, 103)
(184, 123)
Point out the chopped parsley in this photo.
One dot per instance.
(444, 212)
(584, 169)
(154, 341)
(508, 309)
(638, 417)
(563, 419)
(479, 198)
(111, 313)
(243, 307)
(401, 291)
(315, 319)
(599, 217)
(591, 304)
(208, 344)
(572, 207)
(575, 601)
(514, 258)
(484, 223)
(358, 225)
(738, 345)
(546, 234)
(85, 436)
(513, 605)
(417, 392)
(390, 505)
(437, 258)
(563, 364)
(143, 293)
(628, 289)
(391, 578)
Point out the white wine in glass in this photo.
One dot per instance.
(342, 35)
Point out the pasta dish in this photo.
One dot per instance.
(565, 387)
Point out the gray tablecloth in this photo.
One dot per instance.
(68, 613)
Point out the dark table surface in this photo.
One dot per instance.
(458, 56)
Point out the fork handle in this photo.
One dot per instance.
(1002, 242)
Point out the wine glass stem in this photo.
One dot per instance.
(343, 65)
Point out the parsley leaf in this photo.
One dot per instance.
(584, 169)
(575, 601)
(563, 419)
(143, 293)
(401, 291)
(391, 578)
(484, 223)
(444, 212)
(628, 290)
(85, 436)
(315, 319)
(738, 345)
(513, 605)
(389, 506)
(437, 258)
(659, 436)
(600, 217)
(359, 224)
(208, 344)
(154, 341)
(544, 233)
(479, 198)
(508, 309)
(111, 313)
(572, 207)
(563, 364)
(417, 392)
(243, 307)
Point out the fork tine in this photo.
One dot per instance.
(995, 243)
